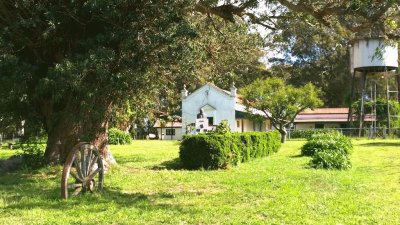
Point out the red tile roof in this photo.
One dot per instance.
(326, 111)
(327, 115)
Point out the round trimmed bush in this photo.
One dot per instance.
(330, 151)
(330, 158)
(324, 141)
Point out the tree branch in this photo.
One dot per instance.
(342, 13)
(227, 11)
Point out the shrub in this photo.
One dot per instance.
(330, 151)
(118, 137)
(308, 133)
(323, 141)
(330, 158)
(32, 154)
(214, 151)
(223, 127)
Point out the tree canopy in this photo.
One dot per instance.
(67, 64)
(311, 38)
(280, 102)
(348, 18)
(312, 53)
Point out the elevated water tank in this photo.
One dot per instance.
(373, 55)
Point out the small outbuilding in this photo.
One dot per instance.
(169, 130)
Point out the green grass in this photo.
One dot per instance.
(147, 187)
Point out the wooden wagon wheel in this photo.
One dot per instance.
(85, 165)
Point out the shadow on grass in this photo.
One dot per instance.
(178, 142)
(174, 164)
(132, 159)
(296, 156)
(22, 193)
(381, 144)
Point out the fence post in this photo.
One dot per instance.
(384, 131)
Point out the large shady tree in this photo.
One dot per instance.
(64, 65)
(280, 102)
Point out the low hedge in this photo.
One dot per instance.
(309, 132)
(219, 151)
(330, 151)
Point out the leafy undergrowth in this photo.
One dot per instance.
(148, 187)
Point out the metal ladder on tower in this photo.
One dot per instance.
(389, 95)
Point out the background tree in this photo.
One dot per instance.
(280, 102)
(347, 18)
(227, 52)
(312, 53)
(316, 34)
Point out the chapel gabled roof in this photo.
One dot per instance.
(222, 91)
(238, 98)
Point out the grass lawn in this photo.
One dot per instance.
(147, 188)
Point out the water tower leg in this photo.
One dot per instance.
(388, 103)
(350, 116)
(361, 119)
(398, 87)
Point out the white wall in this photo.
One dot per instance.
(208, 95)
(178, 133)
(248, 125)
(364, 54)
(304, 126)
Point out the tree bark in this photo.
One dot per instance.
(66, 131)
(283, 133)
(65, 137)
(398, 88)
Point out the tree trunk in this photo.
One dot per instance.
(125, 126)
(172, 127)
(398, 88)
(66, 131)
(66, 136)
(283, 133)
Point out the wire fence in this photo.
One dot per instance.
(370, 132)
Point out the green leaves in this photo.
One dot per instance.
(283, 101)
(280, 102)
(220, 151)
(118, 137)
(223, 127)
(77, 60)
(329, 151)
